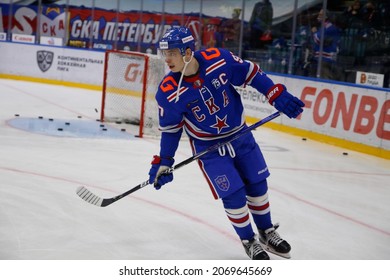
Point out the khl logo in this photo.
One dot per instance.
(45, 60)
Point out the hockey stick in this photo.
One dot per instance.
(89, 197)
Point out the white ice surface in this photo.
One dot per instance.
(330, 206)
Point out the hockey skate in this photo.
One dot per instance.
(254, 250)
(273, 243)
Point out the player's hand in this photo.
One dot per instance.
(157, 174)
(284, 101)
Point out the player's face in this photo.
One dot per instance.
(320, 15)
(173, 59)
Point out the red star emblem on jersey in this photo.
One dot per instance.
(220, 124)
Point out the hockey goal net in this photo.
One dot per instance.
(129, 87)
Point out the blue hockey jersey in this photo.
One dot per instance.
(207, 106)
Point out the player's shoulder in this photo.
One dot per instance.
(212, 55)
(167, 87)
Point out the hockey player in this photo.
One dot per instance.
(198, 96)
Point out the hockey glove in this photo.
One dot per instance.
(157, 176)
(285, 102)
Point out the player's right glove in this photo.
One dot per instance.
(157, 177)
(285, 102)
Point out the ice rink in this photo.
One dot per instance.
(330, 206)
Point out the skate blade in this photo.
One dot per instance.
(270, 250)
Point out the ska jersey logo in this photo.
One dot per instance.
(222, 183)
(45, 60)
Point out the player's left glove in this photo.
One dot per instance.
(285, 102)
(157, 177)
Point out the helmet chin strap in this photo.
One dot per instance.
(182, 75)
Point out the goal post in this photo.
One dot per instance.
(129, 86)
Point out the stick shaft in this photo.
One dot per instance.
(85, 194)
